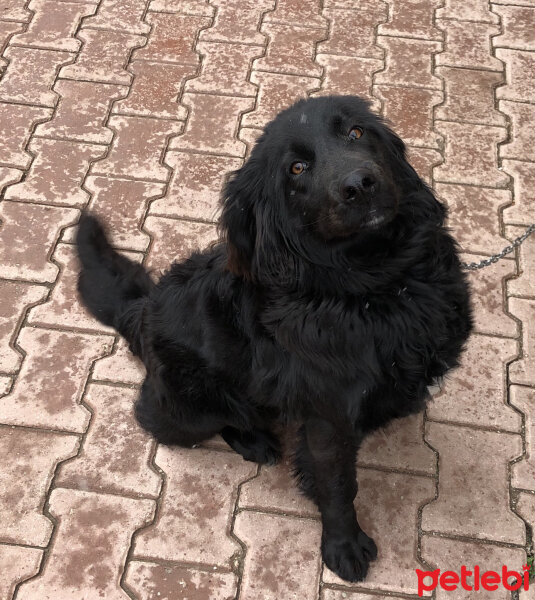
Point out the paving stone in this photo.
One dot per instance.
(342, 39)
(115, 453)
(137, 148)
(175, 240)
(195, 185)
(18, 564)
(387, 508)
(51, 380)
(193, 523)
(150, 581)
(103, 57)
(348, 75)
(249, 136)
(7, 30)
(81, 112)
(276, 489)
(9, 176)
(524, 284)
(5, 385)
(125, 15)
(53, 25)
(469, 96)
(213, 123)
(474, 393)
(424, 160)
(276, 91)
(517, 26)
(155, 90)
(523, 173)
(410, 110)
(225, 72)
(476, 10)
(468, 45)
(297, 11)
(414, 19)
(15, 10)
(450, 555)
(274, 566)
(16, 123)
(488, 298)
(25, 478)
(291, 49)
(39, 227)
(470, 154)
(473, 215)
(172, 38)
(122, 366)
(522, 141)
(526, 507)
(30, 75)
(522, 371)
(523, 472)
(519, 75)
(517, 2)
(473, 484)
(400, 446)
(15, 298)
(121, 204)
(56, 173)
(87, 561)
(401, 52)
(237, 21)
(63, 307)
(343, 594)
(190, 7)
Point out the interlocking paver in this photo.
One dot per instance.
(93, 537)
(475, 392)
(175, 240)
(39, 227)
(469, 96)
(523, 370)
(51, 380)
(53, 25)
(193, 523)
(189, 7)
(274, 568)
(237, 21)
(137, 148)
(524, 284)
(57, 172)
(25, 478)
(297, 11)
(476, 10)
(9, 176)
(523, 173)
(470, 154)
(123, 15)
(154, 91)
(18, 564)
(16, 123)
(424, 160)
(517, 24)
(120, 367)
(15, 10)
(195, 185)
(521, 145)
(30, 75)
(396, 536)
(519, 75)
(150, 581)
(81, 111)
(103, 57)
(343, 594)
(15, 297)
(472, 484)
(412, 19)
(523, 472)
(450, 555)
(115, 454)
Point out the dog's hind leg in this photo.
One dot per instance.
(255, 445)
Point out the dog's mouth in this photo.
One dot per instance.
(376, 219)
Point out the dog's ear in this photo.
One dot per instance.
(238, 222)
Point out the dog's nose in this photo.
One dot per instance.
(359, 183)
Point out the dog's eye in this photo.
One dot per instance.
(298, 167)
(355, 133)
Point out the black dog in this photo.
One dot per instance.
(334, 299)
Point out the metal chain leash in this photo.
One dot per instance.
(496, 257)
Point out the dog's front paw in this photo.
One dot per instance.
(348, 555)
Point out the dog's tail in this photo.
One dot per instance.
(112, 287)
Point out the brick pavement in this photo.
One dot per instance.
(137, 108)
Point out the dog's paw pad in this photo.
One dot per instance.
(256, 446)
(349, 557)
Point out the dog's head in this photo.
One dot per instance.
(325, 171)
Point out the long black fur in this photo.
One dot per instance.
(334, 298)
